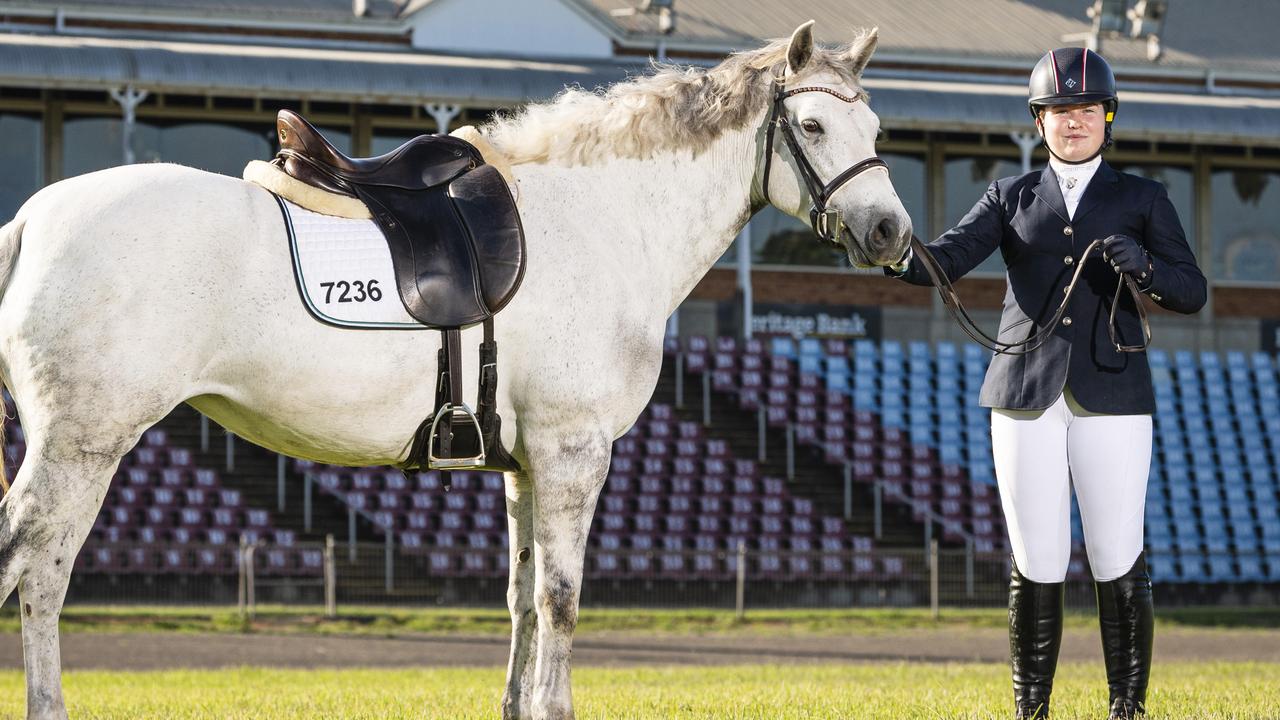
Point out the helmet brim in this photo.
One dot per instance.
(1080, 99)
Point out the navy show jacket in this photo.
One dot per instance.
(1026, 218)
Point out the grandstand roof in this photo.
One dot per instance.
(1215, 83)
(1225, 35)
(388, 76)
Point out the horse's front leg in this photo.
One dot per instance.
(567, 474)
(524, 618)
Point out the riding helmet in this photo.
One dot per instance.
(1070, 76)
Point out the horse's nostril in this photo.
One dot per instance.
(883, 233)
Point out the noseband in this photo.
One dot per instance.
(826, 224)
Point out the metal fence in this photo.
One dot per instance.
(380, 573)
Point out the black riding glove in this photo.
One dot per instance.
(1127, 256)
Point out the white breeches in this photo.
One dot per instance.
(1040, 455)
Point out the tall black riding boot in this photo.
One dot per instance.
(1035, 634)
(1127, 618)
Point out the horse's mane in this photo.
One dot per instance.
(674, 107)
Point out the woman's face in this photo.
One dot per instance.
(1074, 132)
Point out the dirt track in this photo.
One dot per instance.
(142, 651)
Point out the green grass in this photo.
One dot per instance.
(382, 621)
(1235, 691)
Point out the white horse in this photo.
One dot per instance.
(134, 289)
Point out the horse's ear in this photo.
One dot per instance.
(800, 51)
(861, 49)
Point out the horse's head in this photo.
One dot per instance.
(819, 151)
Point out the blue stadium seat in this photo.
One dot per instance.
(811, 347)
(1183, 513)
(1180, 493)
(1220, 569)
(782, 347)
(865, 399)
(1217, 544)
(891, 349)
(1239, 511)
(811, 364)
(950, 453)
(1251, 568)
(1161, 568)
(836, 365)
(982, 471)
(1191, 565)
(920, 434)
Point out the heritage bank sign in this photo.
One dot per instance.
(827, 321)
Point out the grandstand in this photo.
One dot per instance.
(827, 464)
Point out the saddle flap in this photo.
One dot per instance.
(485, 206)
(458, 251)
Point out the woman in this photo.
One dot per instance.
(1076, 411)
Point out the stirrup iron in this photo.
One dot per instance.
(451, 411)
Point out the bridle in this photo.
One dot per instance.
(826, 224)
(1037, 337)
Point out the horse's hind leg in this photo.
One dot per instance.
(44, 520)
(524, 617)
(568, 475)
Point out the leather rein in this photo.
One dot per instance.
(1036, 338)
(826, 224)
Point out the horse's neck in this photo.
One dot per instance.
(670, 216)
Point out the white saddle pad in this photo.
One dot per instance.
(343, 271)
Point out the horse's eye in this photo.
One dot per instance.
(810, 126)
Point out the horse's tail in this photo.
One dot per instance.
(10, 242)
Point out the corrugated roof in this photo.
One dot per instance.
(1149, 116)
(1226, 35)
(239, 70)
(327, 11)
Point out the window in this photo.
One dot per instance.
(1179, 183)
(1246, 225)
(384, 141)
(94, 143)
(219, 148)
(21, 155)
(966, 180)
(91, 144)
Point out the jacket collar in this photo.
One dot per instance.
(1050, 192)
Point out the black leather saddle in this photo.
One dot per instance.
(458, 251)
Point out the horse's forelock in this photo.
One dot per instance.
(672, 108)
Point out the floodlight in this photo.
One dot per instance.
(1147, 17)
(1108, 15)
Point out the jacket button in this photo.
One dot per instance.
(1067, 230)
(1066, 321)
(1068, 260)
